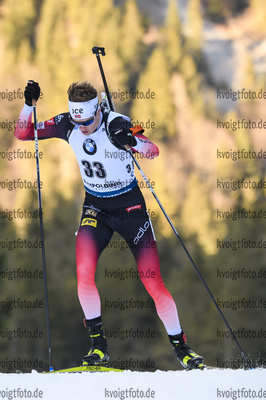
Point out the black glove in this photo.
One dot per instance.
(123, 137)
(32, 91)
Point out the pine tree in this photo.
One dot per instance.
(249, 73)
(197, 215)
(103, 32)
(215, 11)
(19, 25)
(130, 45)
(194, 30)
(77, 23)
(97, 25)
(259, 10)
(173, 36)
(192, 79)
(54, 55)
(158, 110)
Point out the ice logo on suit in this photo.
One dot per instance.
(89, 146)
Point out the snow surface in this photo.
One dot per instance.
(197, 385)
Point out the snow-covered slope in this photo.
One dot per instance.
(193, 385)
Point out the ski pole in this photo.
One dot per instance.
(100, 50)
(42, 234)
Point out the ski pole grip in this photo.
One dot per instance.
(34, 102)
(98, 50)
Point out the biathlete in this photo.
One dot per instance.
(111, 192)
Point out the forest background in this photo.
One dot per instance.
(51, 43)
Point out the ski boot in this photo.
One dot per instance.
(98, 354)
(187, 358)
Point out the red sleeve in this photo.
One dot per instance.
(54, 128)
(24, 126)
(145, 147)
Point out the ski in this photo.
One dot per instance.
(87, 368)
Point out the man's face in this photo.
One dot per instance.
(88, 130)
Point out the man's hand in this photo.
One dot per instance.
(32, 92)
(124, 137)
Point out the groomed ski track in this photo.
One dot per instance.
(173, 385)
